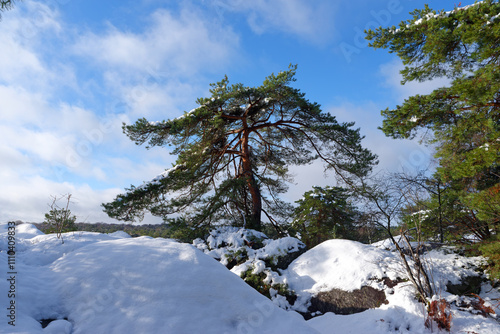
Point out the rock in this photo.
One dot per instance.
(470, 284)
(347, 302)
(283, 261)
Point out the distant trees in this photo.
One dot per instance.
(233, 154)
(462, 120)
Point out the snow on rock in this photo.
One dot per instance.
(341, 264)
(244, 250)
(348, 265)
(446, 266)
(225, 241)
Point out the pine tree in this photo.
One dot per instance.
(462, 120)
(233, 154)
(324, 213)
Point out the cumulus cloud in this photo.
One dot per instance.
(176, 45)
(48, 145)
(21, 37)
(157, 71)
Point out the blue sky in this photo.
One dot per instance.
(71, 71)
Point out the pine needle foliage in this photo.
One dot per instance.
(462, 119)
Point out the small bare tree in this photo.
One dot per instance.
(384, 198)
(60, 218)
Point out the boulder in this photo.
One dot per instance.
(469, 284)
(347, 302)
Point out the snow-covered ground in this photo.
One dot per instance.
(100, 283)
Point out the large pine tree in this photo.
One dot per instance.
(462, 120)
(233, 154)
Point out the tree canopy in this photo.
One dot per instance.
(462, 120)
(233, 155)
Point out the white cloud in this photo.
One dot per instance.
(158, 72)
(22, 33)
(393, 154)
(27, 198)
(392, 77)
(310, 20)
(175, 46)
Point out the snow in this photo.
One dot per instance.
(225, 241)
(349, 265)
(341, 264)
(112, 283)
(186, 114)
(441, 14)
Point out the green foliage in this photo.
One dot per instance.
(491, 249)
(233, 154)
(324, 213)
(442, 217)
(462, 45)
(237, 257)
(258, 282)
(60, 220)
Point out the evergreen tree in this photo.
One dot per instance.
(462, 45)
(324, 213)
(233, 154)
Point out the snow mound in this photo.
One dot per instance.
(27, 231)
(341, 264)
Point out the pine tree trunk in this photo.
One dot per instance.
(253, 187)
(255, 219)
